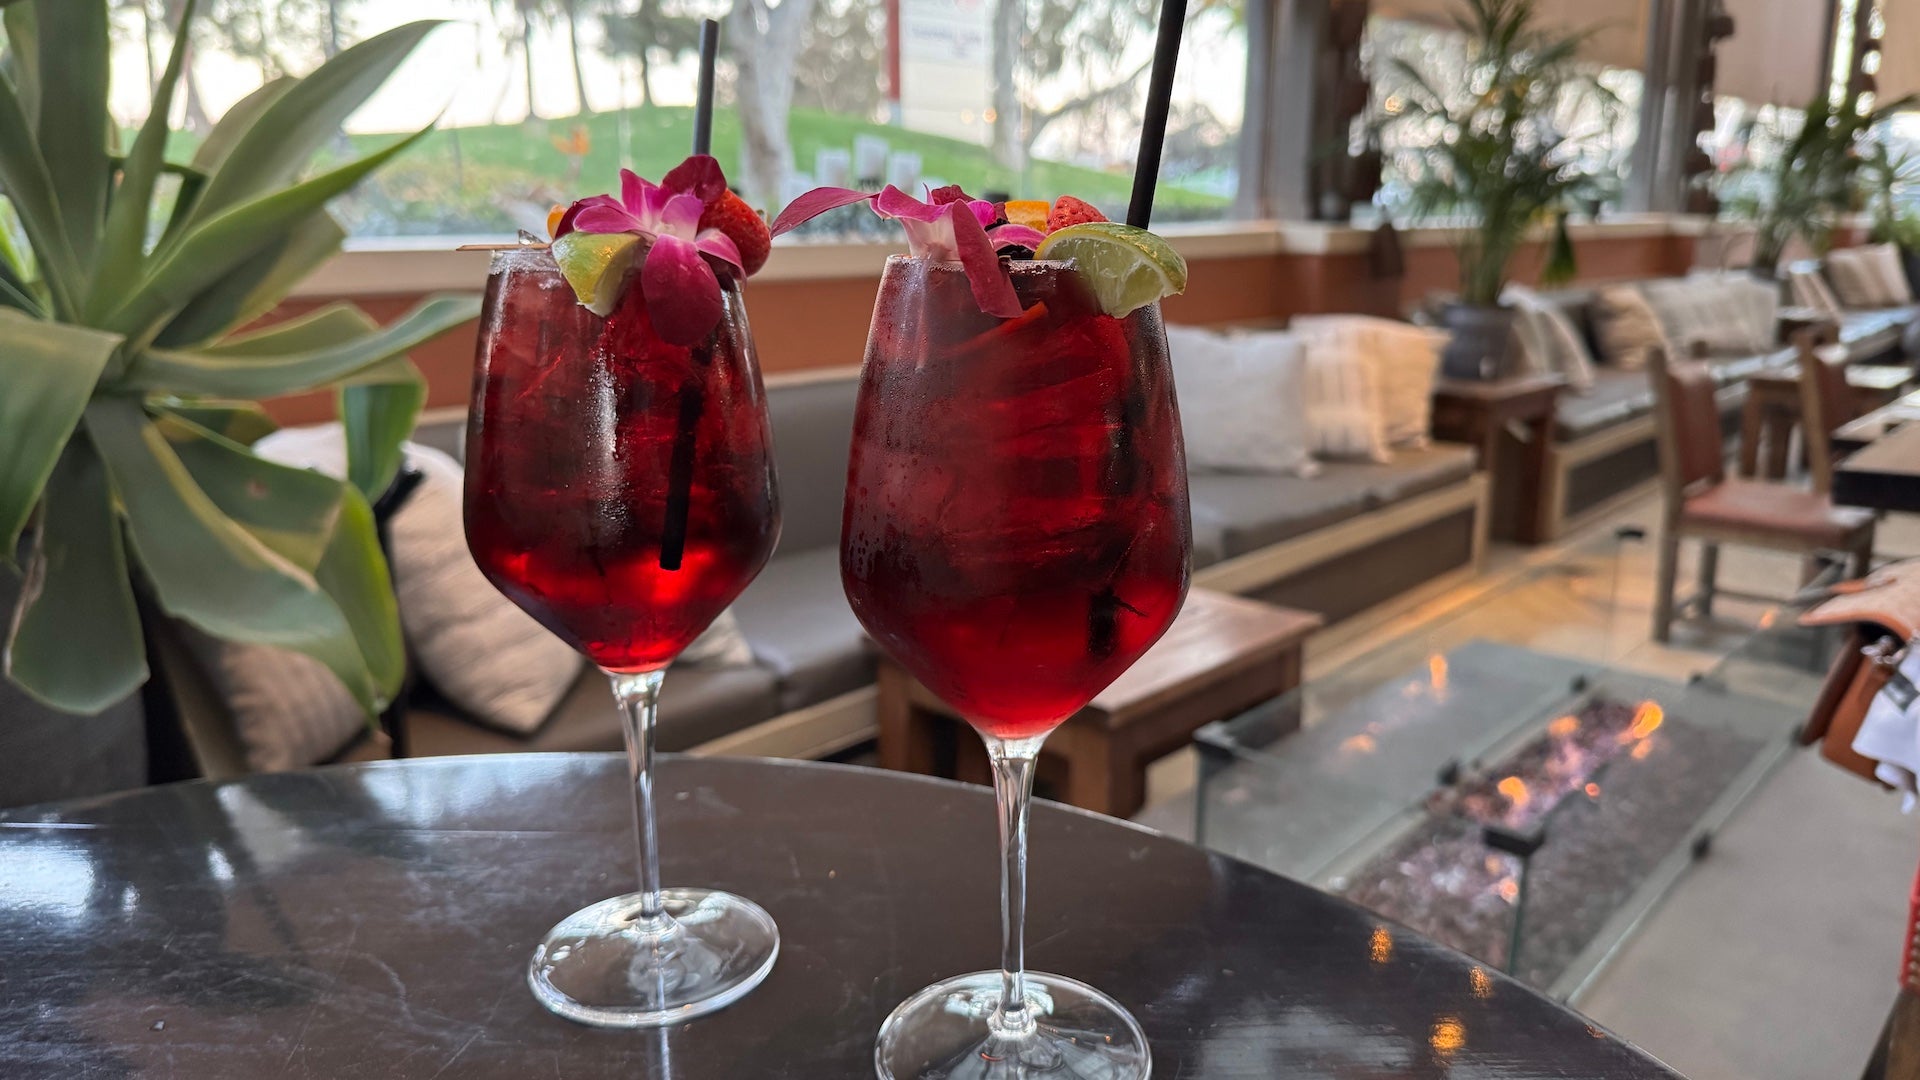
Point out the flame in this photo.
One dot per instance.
(1380, 949)
(1437, 673)
(1768, 616)
(1515, 789)
(1593, 791)
(1641, 750)
(1564, 727)
(1510, 889)
(1646, 720)
(1448, 1036)
(1480, 982)
(1360, 744)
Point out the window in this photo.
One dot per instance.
(545, 100)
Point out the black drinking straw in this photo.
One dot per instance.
(673, 532)
(1153, 132)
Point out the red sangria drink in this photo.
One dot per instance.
(1015, 535)
(1016, 530)
(620, 490)
(585, 503)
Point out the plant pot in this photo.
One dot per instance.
(47, 754)
(1480, 343)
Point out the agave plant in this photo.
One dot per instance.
(130, 363)
(1495, 153)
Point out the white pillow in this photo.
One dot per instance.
(1853, 279)
(1405, 360)
(1810, 290)
(1243, 402)
(1566, 350)
(1889, 274)
(1626, 327)
(486, 655)
(1344, 416)
(1702, 309)
(1759, 304)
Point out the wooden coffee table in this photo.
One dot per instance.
(1224, 654)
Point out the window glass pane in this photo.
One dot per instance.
(544, 100)
(1600, 136)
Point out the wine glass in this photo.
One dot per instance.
(1015, 536)
(620, 490)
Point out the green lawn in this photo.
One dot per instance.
(456, 179)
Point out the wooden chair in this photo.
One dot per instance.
(1702, 502)
(1827, 402)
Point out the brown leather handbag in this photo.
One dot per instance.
(1883, 611)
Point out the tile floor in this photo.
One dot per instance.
(1775, 957)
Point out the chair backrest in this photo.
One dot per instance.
(1826, 402)
(1692, 449)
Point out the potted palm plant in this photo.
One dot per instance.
(1492, 153)
(1796, 183)
(130, 285)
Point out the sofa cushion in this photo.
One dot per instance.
(812, 431)
(1236, 514)
(697, 705)
(1415, 472)
(1617, 397)
(795, 616)
(1243, 406)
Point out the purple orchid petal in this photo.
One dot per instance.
(721, 246)
(680, 215)
(813, 204)
(682, 294)
(653, 203)
(603, 218)
(985, 211)
(992, 288)
(699, 176)
(897, 204)
(632, 189)
(1021, 235)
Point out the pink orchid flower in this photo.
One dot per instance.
(951, 231)
(681, 292)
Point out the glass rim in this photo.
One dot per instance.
(957, 265)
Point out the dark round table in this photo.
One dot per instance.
(375, 921)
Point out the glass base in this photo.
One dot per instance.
(604, 965)
(944, 1033)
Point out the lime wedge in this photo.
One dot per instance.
(596, 265)
(1128, 268)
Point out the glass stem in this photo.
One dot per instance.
(1013, 762)
(639, 698)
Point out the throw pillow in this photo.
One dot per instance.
(1853, 279)
(1243, 402)
(1529, 341)
(1810, 290)
(288, 710)
(1566, 350)
(1759, 305)
(1344, 417)
(1889, 274)
(486, 655)
(721, 644)
(1626, 327)
(1701, 310)
(1405, 360)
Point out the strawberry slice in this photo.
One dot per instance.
(747, 229)
(1069, 211)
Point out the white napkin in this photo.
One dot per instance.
(1890, 734)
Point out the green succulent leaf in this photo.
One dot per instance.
(47, 373)
(123, 243)
(73, 124)
(237, 122)
(210, 250)
(76, 643)
(208, 571)
(29, 186)
(248, 368)
(291, 129)
(240, 421)
(354, 575)
(257, 285)
(290, 510)
(378, 408)
(23, 55)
